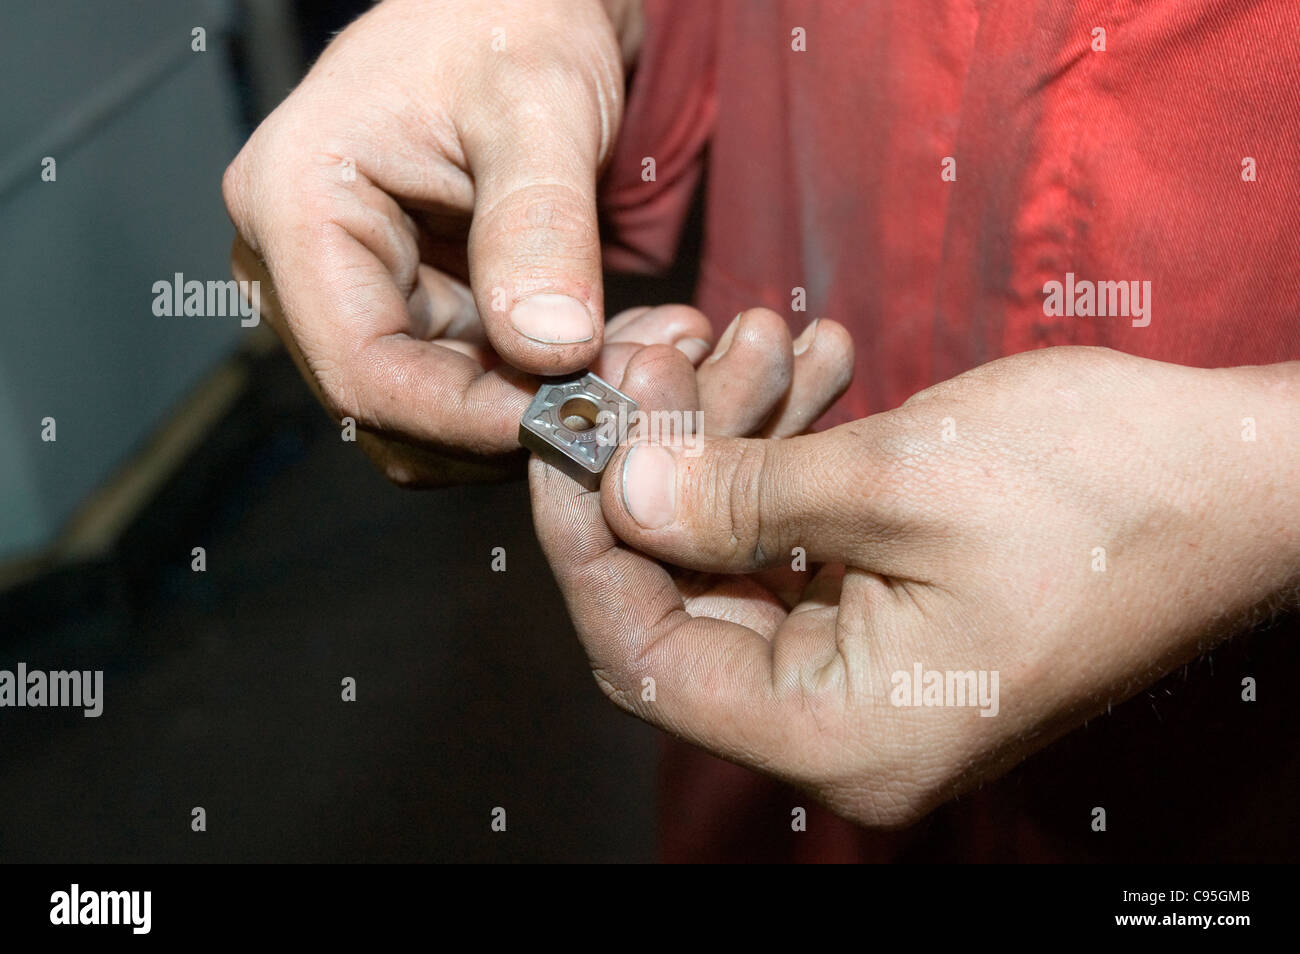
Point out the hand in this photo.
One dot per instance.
(434, 144)
(1075, 520)
(757, 381)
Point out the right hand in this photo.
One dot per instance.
(959, 534)
(421, 213)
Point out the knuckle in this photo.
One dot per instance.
(401, 474)
(741, 485)
(337, 392)
(549, 207)
(398, 466)
(531, 112)
(233, 186)
(652, 365)
(395, 470)
(607, 681)
(890, 462)
(556, 92)
(308, 209)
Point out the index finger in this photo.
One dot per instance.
(343, 284)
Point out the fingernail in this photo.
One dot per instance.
(553, 319)
(650, 485)
(805, 339)
(725, 341)
(693, 348)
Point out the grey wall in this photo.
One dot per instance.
(141, 127)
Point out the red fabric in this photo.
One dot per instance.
(824, 173)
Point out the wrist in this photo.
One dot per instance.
(1269, 425)
(1254, 467)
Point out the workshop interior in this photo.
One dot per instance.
(177, 510)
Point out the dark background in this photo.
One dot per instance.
(223, 688)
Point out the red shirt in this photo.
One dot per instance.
(1169, 156)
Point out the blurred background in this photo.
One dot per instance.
(222, 687)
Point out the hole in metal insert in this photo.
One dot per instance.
(579, 413)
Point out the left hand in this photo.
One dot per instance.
(1076, 521)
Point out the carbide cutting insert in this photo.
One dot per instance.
(575, 424)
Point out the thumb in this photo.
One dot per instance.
(534, 249)
(734, 505)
